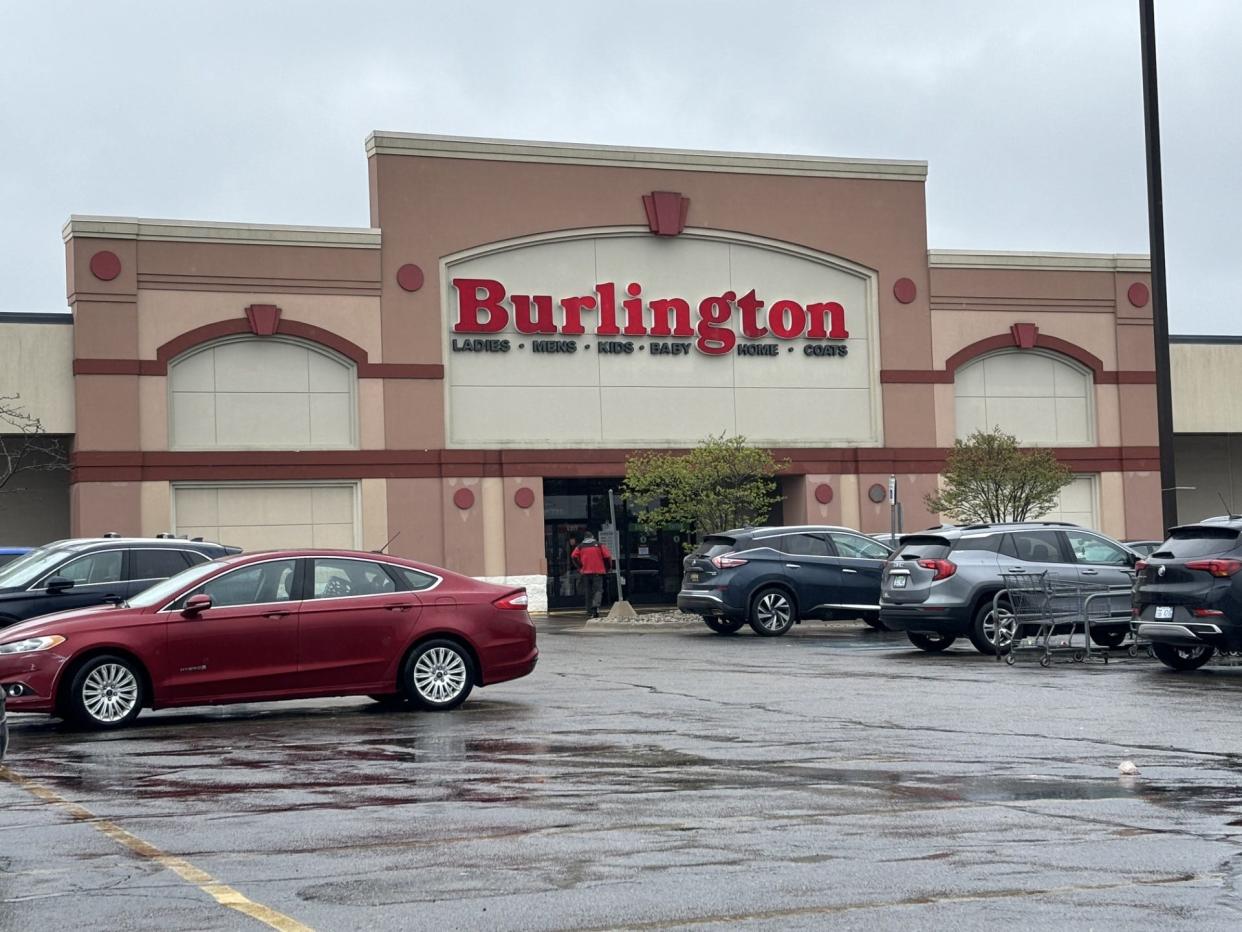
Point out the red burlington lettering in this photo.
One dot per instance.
(715, 339)
(836, 314)
(797, 319)
(573, 313)
(607, 292)
(541, 321)
(634, 311)
(660, 313)
(749, 305)
(470, 303)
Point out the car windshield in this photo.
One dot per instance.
(26, 569)
(162, 591)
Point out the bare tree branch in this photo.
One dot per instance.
(24, 445)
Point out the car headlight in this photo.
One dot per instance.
(30, 645)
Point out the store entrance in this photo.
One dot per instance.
(650, 562)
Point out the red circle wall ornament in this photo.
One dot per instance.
(105, 265)
(1138, 294)
(463, 499)
(524, 497)
(410, 277)
(877, 493)
(823, 493)
(904, 290)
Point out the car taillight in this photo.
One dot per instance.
(1221, 568)
(726, 562)
(944, 568)
(1207, 613)
(1140, 566)
(514, 601)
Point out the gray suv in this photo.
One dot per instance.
(940, 584)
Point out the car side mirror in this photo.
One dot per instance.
(199, 602)
(58, 584)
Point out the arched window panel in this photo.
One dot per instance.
(262, 394)
(1041, 398)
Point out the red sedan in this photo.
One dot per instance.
(289, 624)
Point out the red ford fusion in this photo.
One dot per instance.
(276, 625)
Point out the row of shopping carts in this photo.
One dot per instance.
(1049, 618)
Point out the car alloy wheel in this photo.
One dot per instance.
(932, 643)
(772, 613)
(1177, 657)
(439, 675)
(106, 693)
(984, 633)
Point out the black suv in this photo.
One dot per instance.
(67, 574)
(773, 577)
(1188, 596)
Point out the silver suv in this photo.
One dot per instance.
(940, 584)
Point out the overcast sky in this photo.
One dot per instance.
(1029, 112)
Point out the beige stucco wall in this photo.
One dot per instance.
(36, 362)
(1207, 388)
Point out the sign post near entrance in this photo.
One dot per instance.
(894, 510)
(620, 608)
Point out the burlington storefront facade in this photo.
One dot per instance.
(467, 376)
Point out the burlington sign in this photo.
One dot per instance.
(715, 325)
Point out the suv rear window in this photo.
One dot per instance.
(923, 548)
(1194, 542)
(714, 546)
(989, 542)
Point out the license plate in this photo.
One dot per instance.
(1163, 612)
(899, 582)
(694, 577)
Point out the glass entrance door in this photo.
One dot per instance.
(650, 561)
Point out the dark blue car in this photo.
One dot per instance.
(773, 577)
(9, 554)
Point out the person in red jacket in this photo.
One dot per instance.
(593, 560)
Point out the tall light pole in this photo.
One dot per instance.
(1159, 291)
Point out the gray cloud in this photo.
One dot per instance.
(1029, 113)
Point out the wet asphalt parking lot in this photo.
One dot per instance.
(655, 778)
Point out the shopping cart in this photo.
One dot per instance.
(1041, 614)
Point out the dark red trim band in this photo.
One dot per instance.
(1099, 374)
(226, 328)
(243, 465)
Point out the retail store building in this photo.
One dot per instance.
(471, 371)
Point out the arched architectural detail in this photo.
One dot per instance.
(243, 392)
(1040, 396)
(1042, 341)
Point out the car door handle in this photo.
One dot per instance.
(399, 606)
(855, 572)
(793, 566)
(275, 614)
(1016, 569)
(1091, 572)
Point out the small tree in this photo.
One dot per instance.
(988, 478)
(722, 483)
(24, 445)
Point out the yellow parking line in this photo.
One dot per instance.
(222, 893)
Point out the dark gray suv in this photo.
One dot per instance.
(940, 585)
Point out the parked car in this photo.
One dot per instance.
(773, 577)
(940, 585)
(69, 574)
(1142, 547)
(9, 554)
(290, 624)
(4, 729)
(1188, 597)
